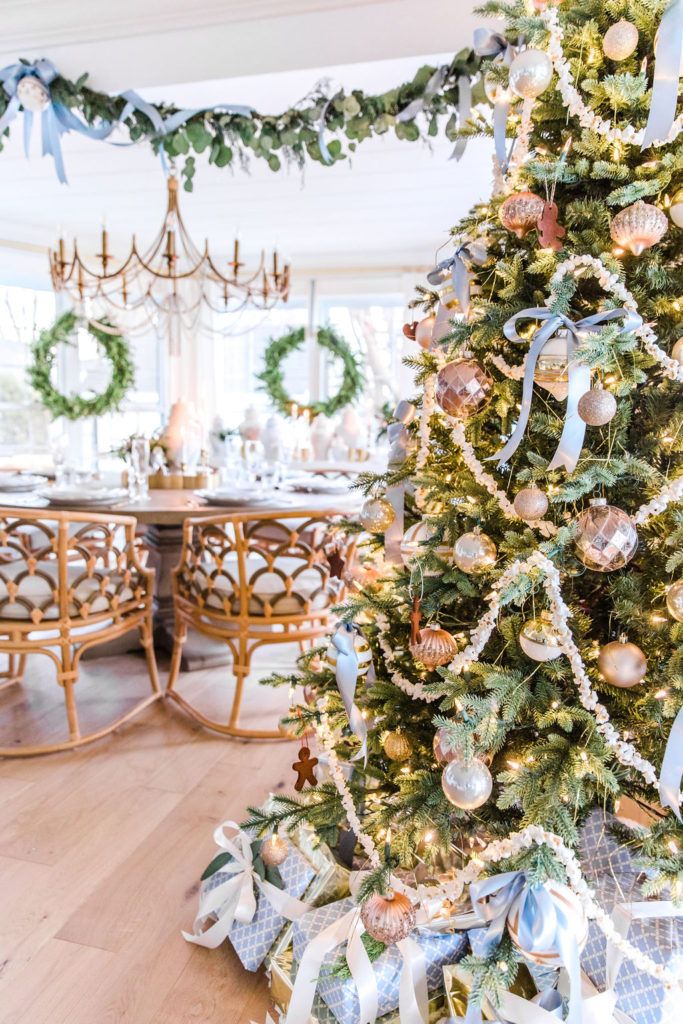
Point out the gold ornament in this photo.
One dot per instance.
(462, 387)
(467, 784)
(639, 227)
(415, 539)
(474, 552)
(597, 407)
(539, 639)
(622, 664)
(274, 850)
(552, 370)
(676, 208)
(388, 918)
(363, 653)
(434, 647)
(530, 73)
(674, 601)
(423, 331)
(376, 515)
(620, 40)
(606, 538)
(397, 746)
(530, 504)
(677, 351)
(520, 212)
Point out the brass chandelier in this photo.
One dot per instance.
(173, 286)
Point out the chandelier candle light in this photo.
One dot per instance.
(172, 285)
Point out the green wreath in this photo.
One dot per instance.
(76, 407)
(273, 379)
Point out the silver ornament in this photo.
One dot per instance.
(676, 208)
(413, 545)
(552, 369)
(677, 351)
(474, 552)
(620, 40)
(274, 850)
(639, 227)
(539, 639)
(467, 784)
(530, 73)
(674, 600)
(622, 664)
(530, 504)
(606, 538)
(32, 94)
(597, 407)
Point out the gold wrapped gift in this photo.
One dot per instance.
(457, 983)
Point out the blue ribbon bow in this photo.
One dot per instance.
(472, 252)
(573, 432)
(493, 44)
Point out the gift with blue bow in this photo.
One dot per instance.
(402, 977)
(624, 991)
(244, 900)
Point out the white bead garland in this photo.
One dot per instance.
(574, 102)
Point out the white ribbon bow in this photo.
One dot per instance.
(235, 898)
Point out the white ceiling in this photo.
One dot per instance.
(388, 208)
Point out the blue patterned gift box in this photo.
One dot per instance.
(340, 995)
(252, 940)
(610, 870)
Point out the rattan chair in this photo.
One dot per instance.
(252, 581)
(70, 581)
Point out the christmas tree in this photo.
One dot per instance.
(522, 595)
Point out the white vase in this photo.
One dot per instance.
(250, 427)
(351, 428)
(272, 440)
(321, 439)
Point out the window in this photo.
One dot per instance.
(23, 421)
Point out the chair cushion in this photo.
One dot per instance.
(28, 590)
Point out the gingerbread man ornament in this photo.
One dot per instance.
(305, 769)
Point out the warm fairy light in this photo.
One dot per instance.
(406, 769)
(661, 694)
(667, 439)
(428, 837)
(502, 966)
(617, 251)
(515, 765)
(657, 619)
(555, 705)
(583, 755)
(673, 847)
(676, 305)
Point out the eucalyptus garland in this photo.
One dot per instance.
(75, 407)
(311, 129)
(273, 378)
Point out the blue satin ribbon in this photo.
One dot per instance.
(322, 145)
(346, 674)
(672, 768)
(417, 105)
(464, 114)
(668, 51)
(540, 923)
(493, 44)
(472, 252)
(573, 432)
(399, 439)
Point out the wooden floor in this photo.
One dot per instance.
(101, 850)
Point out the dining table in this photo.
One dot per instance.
(161, 516)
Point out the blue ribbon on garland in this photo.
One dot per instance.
(493, 44)
(668, 50)
(672, 768)
(475, 252)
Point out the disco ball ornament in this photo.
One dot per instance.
(376, 515)
(620, 40)
(442, 751)
(363, 653)
(674, 601)
(569, 911)
(539, 639)
(462, 387)
(389, 918)
(274, 850)
(530, 504)
(397, 746)
(639, 227)
(606, 538)
(413, 546)
(530, 73)
(676, 208)
(474, 552)
(423, 331)
(597, 407)
(677, 351)
(520, 212)
(467, 784)
(434, 647)
(622, 663)
(32, 94)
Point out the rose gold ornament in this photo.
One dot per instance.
(423, 331)
(434, 647)
(520, 212)
(622, 663)
(597, 407)
(376, 515)
(462, 387)
(442, 751)
(388, 918)
(530, 504)
(606, 538)
(397, 746)
(639, 227)
(274, 850)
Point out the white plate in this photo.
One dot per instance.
(229, 499)
(16, 482)
(318, 485)
(70, 497)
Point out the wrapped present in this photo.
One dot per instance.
(654, 926)
(402, 976)
(457, 983)
(245, 901)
